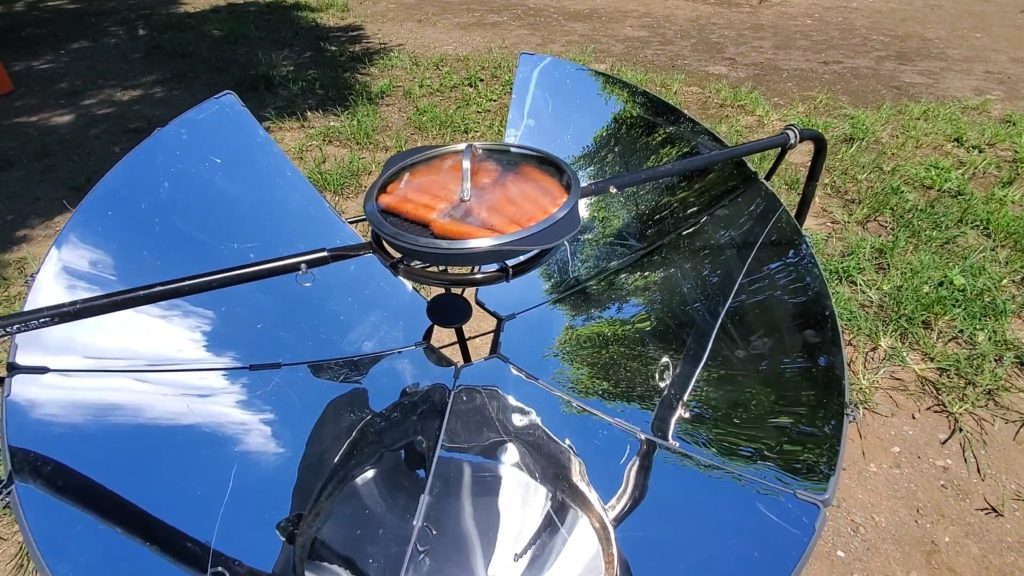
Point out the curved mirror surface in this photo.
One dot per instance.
(221, 457)
(667, 396)
(672, 513)
(700, 288)
(212, 190)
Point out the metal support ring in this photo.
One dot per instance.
(793, 131)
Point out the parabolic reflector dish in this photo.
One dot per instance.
(664, 392)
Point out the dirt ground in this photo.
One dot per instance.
(864, 50)
(907, 504)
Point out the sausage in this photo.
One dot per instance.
(442, 180)
(493, 217)
(420, 195)
(455, 230)
(447, 166)
(408, 209)
(530, 194)
(505, 197)
(552, 192)
(483, 174)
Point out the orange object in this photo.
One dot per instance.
(408, 209)
(455, 230)
(502, 202)
(6, 86)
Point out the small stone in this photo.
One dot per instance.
(914, 415)
(840, 553)
(895, 450)
(861, 530)
(939, 463)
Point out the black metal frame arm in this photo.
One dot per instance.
(790, 137)
(38, 318)
(71, 486)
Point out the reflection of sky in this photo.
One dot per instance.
(209, 191)
(167, 333)
(182, 473)
(557, 106)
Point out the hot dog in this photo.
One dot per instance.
(456, 230)
(552, 194)
(408, 209)
(420, 195)
(508, 200)
(493, 217)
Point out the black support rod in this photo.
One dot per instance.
(686, 165)
(69, 485)
(789, 138)
(817, 139)
(38, 318)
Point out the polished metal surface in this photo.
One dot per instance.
(505, 496)
(210, 190)
(467, 159)
(216, 454)
(695, 517)
(667, 397)
(707, 275)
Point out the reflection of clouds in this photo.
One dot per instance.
(173, 333)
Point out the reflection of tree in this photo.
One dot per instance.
(644, 132)
(592, 372)
(762, 396)
(749, 405)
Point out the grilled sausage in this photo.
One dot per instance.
(493, 217)
(408, 209)
(552, 194)
(456, 230)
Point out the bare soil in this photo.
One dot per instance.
(907, 504)
(863, 50)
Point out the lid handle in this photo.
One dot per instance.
(467, 154)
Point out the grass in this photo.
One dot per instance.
(920, 227)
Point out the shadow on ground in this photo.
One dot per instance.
(95, 77)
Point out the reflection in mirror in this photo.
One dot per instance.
(730, 523)
(183, 445)
(603, 127)
(707, 271)
(360, 482)
(168, 334)
(732, 303)
(507, 497)
(185, 201)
